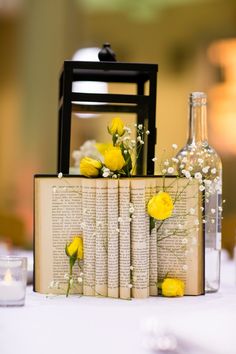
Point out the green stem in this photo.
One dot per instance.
(70, 277)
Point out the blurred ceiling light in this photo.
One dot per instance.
(88, 54)
(222, 96)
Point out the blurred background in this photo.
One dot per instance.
(193, 41)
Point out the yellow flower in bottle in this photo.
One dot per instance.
(172, 287)
(90, 167)
(116, 126)
(160, 206)
(113, 159)
(75, 248)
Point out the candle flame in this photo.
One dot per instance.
(8, 276)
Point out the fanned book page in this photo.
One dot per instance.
(124, 256)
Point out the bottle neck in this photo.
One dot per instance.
(197, 119)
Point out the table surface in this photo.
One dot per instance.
(203, 324)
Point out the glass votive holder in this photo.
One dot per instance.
(13, 279)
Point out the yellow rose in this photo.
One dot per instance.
(102, 147)
(75, 248)
(172, 287)
(160, 207)
(113, 159)
(116, 127)
(90, 167)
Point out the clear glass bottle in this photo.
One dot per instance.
(202, 161)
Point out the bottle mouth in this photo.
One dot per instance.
(198, 98)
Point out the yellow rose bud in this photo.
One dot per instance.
(113, 159)
(160, 207)
(75, 248)
(90, 167)
(116, 127)
(172, 287)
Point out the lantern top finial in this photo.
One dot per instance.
(106, 53)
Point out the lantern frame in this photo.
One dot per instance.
(144, 105)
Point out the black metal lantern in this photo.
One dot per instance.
(142, 104)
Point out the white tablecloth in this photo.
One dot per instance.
(107, 326)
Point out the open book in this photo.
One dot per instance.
(123, 256)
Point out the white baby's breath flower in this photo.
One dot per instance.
(200, 161)
(187, 174)
(106, 174)
(114, 176)
(174, 146)
(190, 168)
(57, 285)
(223, 201)
(213, 170)
(174, 159)
(207, 182)
(184, 241)
(130, 286)
(60, 175)
(220, 208)
(196, 222)
(166, 163)
(140, 126)
(201, 188)
(191, 211)
(80, 280)
(184, 160)
(181, 166)
(119, 219)
(71, 282)
(127, 129)
(185, 267)
(213, 210)
(125, 152)
(212, 221)
(163, 171)
(66, 276)
(51, 285)
(131, 208)
(141, 142)
(139, 138)
(204, 221)
(117, 230)
(154, 159)
(205, 169)
(147, 132)
(202, 208)
(170, 170)
(131, 268)
(198, 175)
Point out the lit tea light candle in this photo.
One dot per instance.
(10, 289)
(13, 271)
